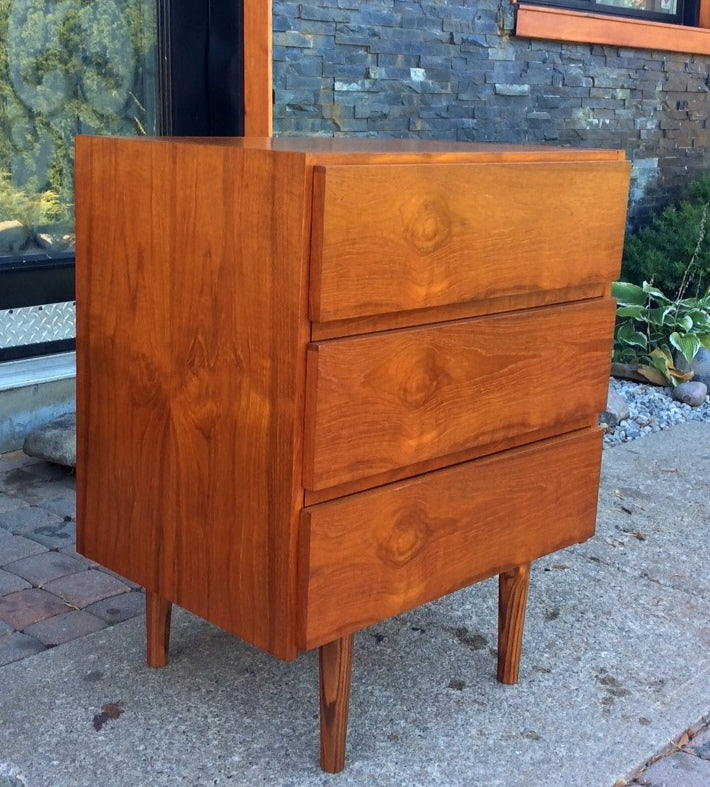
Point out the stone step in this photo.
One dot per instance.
(33, 391)
(55, 441)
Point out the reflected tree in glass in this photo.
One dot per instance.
(67, 67)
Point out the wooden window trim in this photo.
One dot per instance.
(258, 103)
(564, 25)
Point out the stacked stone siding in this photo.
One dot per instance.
(455, 70)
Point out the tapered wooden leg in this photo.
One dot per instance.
(157, 625)
(336, 660)
(512, 600)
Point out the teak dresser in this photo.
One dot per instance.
(321, 382)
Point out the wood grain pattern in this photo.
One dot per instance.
(338, 329)
(561, 24)
(335, 660)
(224, 439)
(385, 401)
(191, 362)
(158, 613)
(704, 14)
(378, 553)
(258, 68)
(402, 237)
(328, 151)
(312, 498)
(512, 601)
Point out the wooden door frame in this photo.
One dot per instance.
(258, 68)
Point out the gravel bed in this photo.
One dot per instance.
(651, 408)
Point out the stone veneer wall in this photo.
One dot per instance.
(454, 70)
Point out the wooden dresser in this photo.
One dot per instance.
(321, 382)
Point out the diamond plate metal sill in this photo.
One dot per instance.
(35, 324)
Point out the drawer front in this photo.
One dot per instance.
(386, 401)
(399, 237)
(374, 555)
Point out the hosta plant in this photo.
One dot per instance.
(652, 330)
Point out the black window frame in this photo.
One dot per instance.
(201, 50)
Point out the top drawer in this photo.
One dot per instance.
(395, 237)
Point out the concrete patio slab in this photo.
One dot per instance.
(616, 664)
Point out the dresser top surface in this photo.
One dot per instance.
(371, 148)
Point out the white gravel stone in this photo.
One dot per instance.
(651, 409)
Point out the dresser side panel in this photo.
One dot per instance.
(191, 345)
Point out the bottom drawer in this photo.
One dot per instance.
(370, 556)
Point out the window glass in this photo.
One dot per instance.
(651, 6)
(67, 67)
(670, 11)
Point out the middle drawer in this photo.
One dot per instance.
(386, 401)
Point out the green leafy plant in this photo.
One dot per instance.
(659, 252)
(31, 208)
(67, 68)
(652, 328)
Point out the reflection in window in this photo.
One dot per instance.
(67, 67)
(652, 6)
(681, 12)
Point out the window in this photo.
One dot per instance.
(67, 67)
(115, 67)
(670, 11)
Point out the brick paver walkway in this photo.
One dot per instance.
(49, 594)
